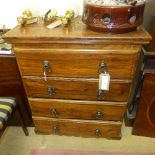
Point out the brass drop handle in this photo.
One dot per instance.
(55, 129)
(103, 72)
(54, 112)
(103, 68)
(99, 114)
(46, 66)
(100, 94)
(98, 133)
(51, 91)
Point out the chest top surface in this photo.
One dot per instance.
(76, 32)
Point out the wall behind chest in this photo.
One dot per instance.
(9, 10)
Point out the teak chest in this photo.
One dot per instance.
(60, 70)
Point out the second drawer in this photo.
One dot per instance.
(73, 109)
(76, 88)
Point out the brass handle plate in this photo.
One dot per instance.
(46, 66)
(98, 133)
(54, 112)
(103, 67)
(100, 94)
(51, 91)
(99, 114)
(55, 129)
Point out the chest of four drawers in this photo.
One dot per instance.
(62, 86)
(60, 71)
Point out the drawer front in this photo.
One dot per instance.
(76, 63)
(77, 127)
(73, 109)
(75, 88)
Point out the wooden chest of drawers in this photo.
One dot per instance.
(60, 69)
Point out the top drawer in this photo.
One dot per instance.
(77, 62)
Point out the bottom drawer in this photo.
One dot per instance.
(80, 128)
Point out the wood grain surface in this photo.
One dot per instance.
(77, 109)
(78, 62)
(73, 55)
(76, 88)
(82, 128)
(77, 32)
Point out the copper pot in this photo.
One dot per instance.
(114, 19)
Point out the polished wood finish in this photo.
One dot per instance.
(11, 85)
(79, 61)
(74, 109)
(81, 128)
(76, 33)
(70, 58)
(76, 88)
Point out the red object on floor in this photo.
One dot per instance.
(66, 152)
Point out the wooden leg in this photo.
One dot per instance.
(1, 132)
(22, 121)
(4, 127)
